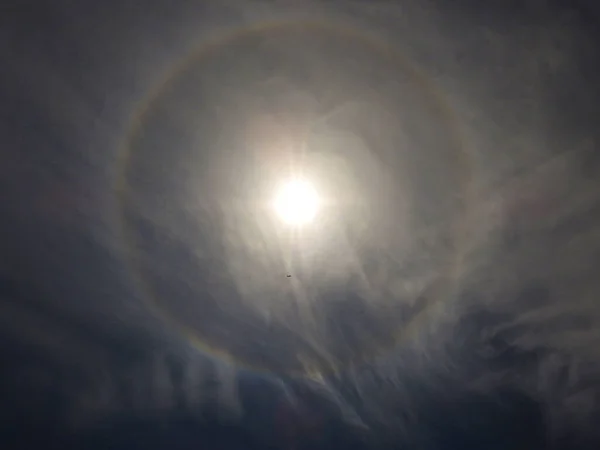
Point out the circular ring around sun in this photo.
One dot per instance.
(231, 300)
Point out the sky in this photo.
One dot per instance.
(443, 296)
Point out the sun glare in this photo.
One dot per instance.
(296, 202)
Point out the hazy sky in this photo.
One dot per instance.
(444, 295)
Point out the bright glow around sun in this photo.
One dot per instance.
(296, 202)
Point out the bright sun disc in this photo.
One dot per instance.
(296, 202)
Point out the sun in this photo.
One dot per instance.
(296, 202)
